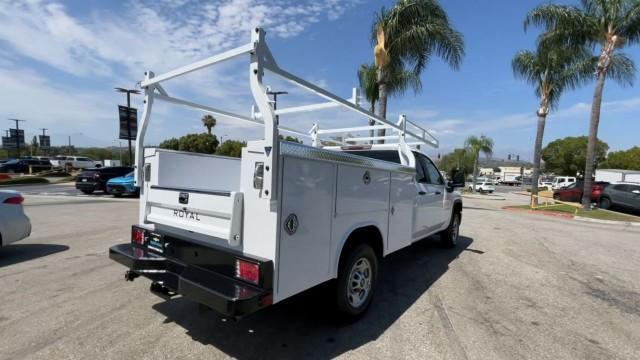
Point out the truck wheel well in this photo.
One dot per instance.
(369, 235)
(457, 207)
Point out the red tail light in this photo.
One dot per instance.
(247, 271)
(16, 200)
(137, 236)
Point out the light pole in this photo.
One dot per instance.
(17, 135)
(128, 92)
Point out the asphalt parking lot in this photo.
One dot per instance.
(518, 286)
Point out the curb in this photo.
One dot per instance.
(608, 222)
(544, 213)
(485, 197)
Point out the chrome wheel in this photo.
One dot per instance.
(455, 228)
(359, 285)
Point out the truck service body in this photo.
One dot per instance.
(239, 234)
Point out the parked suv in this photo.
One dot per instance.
(483, 186)
(624, 195)
(78, 162)
(95, 179)
(22, 166)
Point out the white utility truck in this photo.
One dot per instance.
(238, 235)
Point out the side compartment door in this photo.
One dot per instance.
(402, 196)
(305, 224)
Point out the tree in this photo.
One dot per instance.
(476, 145)
(610, 24)
(209, 122)
(624, 160)
(550, 70)
(399, 82)
(456, 161)
(231, 148)
(198, 143)
(407, 36)
(290, 139)
(567, 156)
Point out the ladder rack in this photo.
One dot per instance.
(406, 133)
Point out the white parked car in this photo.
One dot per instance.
(14, 224)
(241, 234)
(560, 182)
(77, 162)
(483, 186)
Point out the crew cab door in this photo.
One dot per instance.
(430, 201)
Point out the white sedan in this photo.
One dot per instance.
(14, 224)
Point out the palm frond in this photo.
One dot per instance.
(622, 69)
(629, 27)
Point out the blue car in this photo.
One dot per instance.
(122, 185)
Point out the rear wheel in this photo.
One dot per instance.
(605, 203)
(449, 237)
(357, 280)
(556, 196)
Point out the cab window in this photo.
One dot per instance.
(433, 176)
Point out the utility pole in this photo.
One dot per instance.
(275, 99)
(129, 92)
(17, 135)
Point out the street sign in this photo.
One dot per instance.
(44, 141)
(8, 143)
(17, 135)
(133, 120)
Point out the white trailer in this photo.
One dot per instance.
(238, 235)
(616, 176)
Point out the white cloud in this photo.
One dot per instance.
(107, 47)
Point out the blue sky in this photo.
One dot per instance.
(59, 62)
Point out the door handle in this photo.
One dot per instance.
(422, 193)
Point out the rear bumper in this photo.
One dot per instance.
(223, 294)
(120, 188)
(89, 186)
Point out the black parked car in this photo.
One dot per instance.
(621, 195)
(22, 166)
(94, 179)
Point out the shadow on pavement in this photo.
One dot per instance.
(303, 326)
(17, 253)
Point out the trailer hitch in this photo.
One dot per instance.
(130, 275)
(161, 290)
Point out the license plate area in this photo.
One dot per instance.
(84, 180)
(156, 243)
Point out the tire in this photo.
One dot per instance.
(360, 268)
(87, 192)
(605, 203)
(117, 195)
(449, 236)
(471, 188)
(556, 196)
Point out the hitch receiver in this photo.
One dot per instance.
(130, 275)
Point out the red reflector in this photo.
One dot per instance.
(16, 200)
(137, 236)
(247, 271)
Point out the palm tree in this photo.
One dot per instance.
(399, 82)
(477, 145)
(407, 36)
(609, 24)
(551, 70)
(209, 122)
